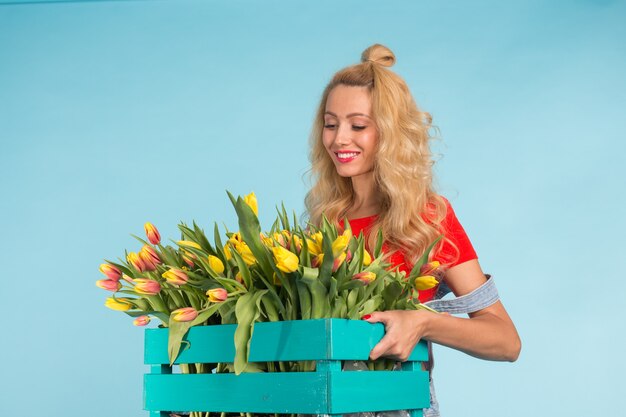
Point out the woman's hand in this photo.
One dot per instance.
(403, 330)
(487, 334)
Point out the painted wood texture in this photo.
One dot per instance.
(328, 390)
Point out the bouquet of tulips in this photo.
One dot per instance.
(248, 276)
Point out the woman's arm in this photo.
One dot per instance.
(487, 334)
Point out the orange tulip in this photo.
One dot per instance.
(141, 321)
(150, 253)
(429, 268)
(147, 286)
(184, 314)
(217, 295)
(175, 276)
(365, 277)
(136, 261)
(152, 233)
(109, 285)
(338, 261)
(111, 271)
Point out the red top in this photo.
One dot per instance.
(448, 255)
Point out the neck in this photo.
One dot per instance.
(366, 197)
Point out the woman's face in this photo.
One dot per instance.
(350, 133)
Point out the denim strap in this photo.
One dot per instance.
(481, 297)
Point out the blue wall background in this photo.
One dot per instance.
(117, 113)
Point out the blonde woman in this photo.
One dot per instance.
(371, 164)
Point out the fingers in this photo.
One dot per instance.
(377, 317)
(381, 348)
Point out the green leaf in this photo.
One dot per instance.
(246, 312)
(422, 260)
(243, 269)
(390, 294)
(177, 330)
(305, 300)
(379, 244)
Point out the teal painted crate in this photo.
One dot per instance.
(328, 390)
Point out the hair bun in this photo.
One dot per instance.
(379, 54)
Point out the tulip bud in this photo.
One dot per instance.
(348, 255)
(188, 244)
(152, 233)
(341, 243)
(151, 254)
(297, 242)
(141, 321)
(425, 282)
(217, 295)
(175, 276)
(147, 286)
(111, 271)
(184, 314)
(246, 253)
(316, 261)
(188, 257)
(429, 268)
(109, 285)
(367, 259)
(285, 260)
(136, 261)
(338, 261)
(118, 304)
(216, 264)
(147, 261)
(227, 253)
(365, 277)
(250, 200)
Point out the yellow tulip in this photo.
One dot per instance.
(227, 253)
(188, 244)
(246, 253)
(341, 243)
(118, 304)
(315, 243)
(425, 282)
(285, 260)
(216, 264)
(250, 200)
(367, 259)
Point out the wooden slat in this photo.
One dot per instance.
(286, 392)
(324, 339)
(363, 391)
(298, 392)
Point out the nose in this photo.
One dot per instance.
(342, 137)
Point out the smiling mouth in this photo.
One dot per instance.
(346, 156)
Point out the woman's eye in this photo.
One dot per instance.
(329, 126)
(356, 127)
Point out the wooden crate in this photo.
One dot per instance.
(328, 390)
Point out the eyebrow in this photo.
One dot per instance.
(349, 115)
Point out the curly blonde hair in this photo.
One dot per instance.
(411, 212)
